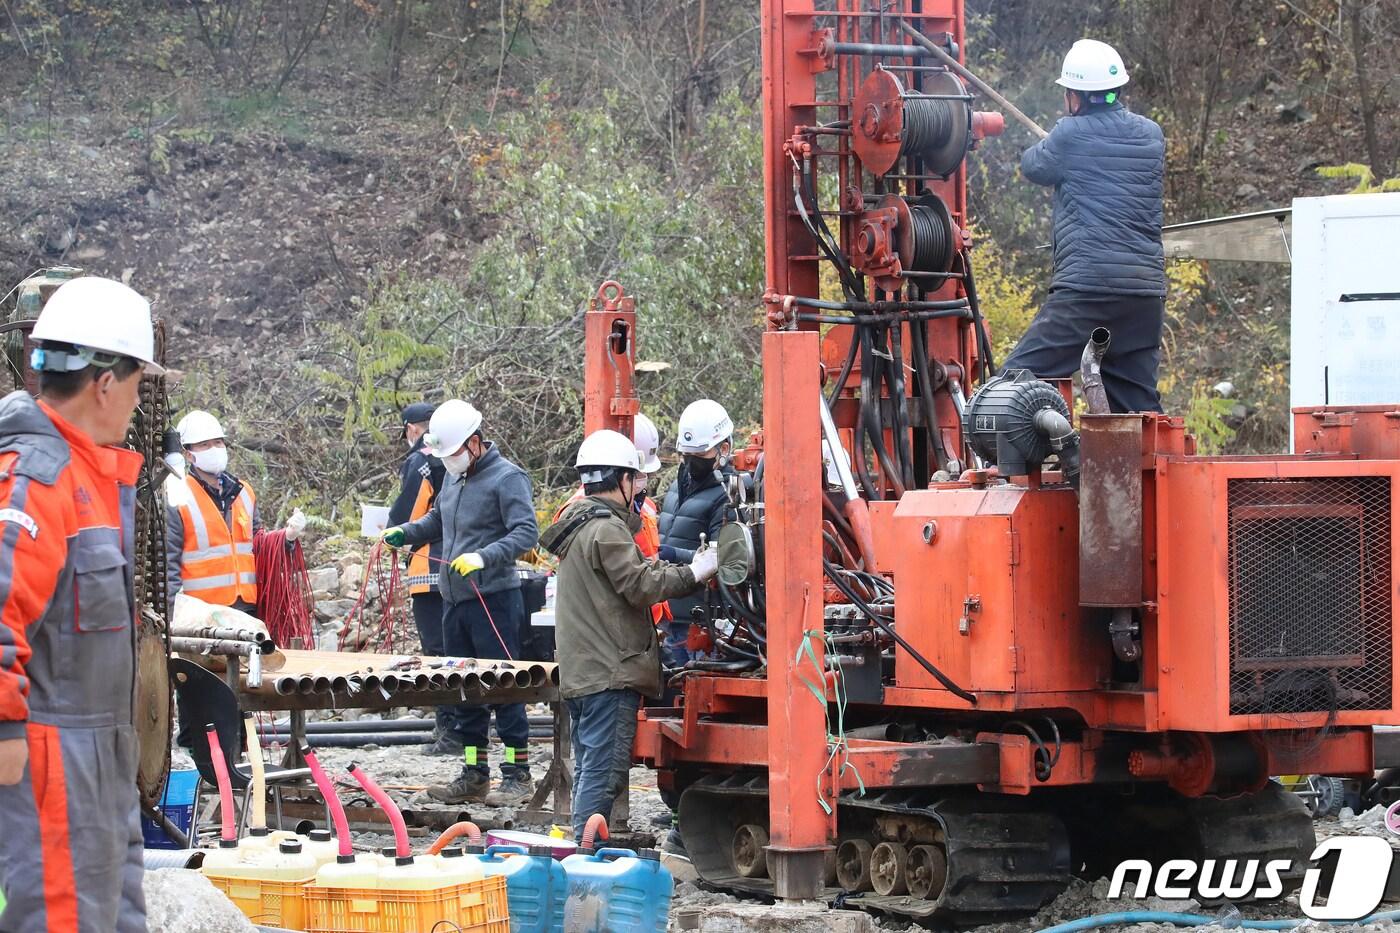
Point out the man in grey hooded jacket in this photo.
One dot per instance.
(485, 517)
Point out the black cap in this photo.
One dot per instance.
(651, 855)
(416, 413)
(452, 852)
(320, 835)
(289, 846)
(344, 859)
(258, 831)
(545, 851)
(476, 850)
(403, 860)
(228, 844)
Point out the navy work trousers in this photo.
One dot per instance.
(427, 616)
(1052, 346)
(488, 627)
(604, 725)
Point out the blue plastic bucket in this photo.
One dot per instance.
(177, 803)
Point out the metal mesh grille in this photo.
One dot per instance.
(1310, 604)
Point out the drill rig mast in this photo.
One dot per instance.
(980, 649)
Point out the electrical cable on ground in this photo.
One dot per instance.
(1195, 920)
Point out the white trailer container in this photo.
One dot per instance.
(1346, 300)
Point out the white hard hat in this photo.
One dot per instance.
(198, 427)
(1091, 65)
(451, 424)
(100, 314)
(647, 439)
(703, 424)
(602, 451)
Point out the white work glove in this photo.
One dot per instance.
(295, 525)
(705, 564)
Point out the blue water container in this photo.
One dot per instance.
(177, 803)
(617, 891)
(535, 886)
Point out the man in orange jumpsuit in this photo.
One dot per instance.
(70, 831)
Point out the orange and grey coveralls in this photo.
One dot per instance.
(70, 830)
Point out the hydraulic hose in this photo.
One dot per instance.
(255, 764)
(1194, 920)
(333, 804)
(453, 832)
(833, 573)
(216, 759)
(594, 830)
(391, 809)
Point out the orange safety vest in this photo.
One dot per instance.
(648, 541)
(422, 576)
(217, 565)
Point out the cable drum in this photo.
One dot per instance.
(934, 245)
(933, 125)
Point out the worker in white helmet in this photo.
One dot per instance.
(70, 827)
(647, 440)
(1106, 164)
(608, 653)
(211, 519)
(485, 516)
(697, 503)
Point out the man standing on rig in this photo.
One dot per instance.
(1106, 164)
(70, 828)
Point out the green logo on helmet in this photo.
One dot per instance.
(1113, 69)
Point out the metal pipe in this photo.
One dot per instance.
(871, 48)
(219, 646)
(1091, 368)
(156, 859)
(352, 739)
(957, 67)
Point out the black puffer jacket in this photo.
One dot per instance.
(1107, 168)
(692, 508)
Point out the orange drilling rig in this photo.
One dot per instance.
(964, 645)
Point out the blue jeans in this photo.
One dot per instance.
(488, 628)
(604, 725)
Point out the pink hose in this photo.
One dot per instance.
(387, 804)
(216, 758)
(342, 825)
(595, 829)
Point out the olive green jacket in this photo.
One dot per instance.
(603, 633)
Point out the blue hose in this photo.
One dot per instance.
(1192, 920)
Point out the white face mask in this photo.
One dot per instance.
(214, 460)
(458, 463)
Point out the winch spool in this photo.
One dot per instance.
(934, 125)
(906, 235)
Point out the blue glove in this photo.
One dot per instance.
(668, 554)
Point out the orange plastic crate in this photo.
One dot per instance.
(267, 903)
(476, 907)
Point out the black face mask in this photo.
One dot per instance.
(699, 467)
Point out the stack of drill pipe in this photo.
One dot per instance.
(382, 732)
(349, 674)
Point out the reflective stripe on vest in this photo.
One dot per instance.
(217, 563)
(422, 577)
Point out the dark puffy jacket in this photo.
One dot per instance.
(692, 508)
(1107, 167)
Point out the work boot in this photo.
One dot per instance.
(445, 744)
(514, 791)
(471, 786)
